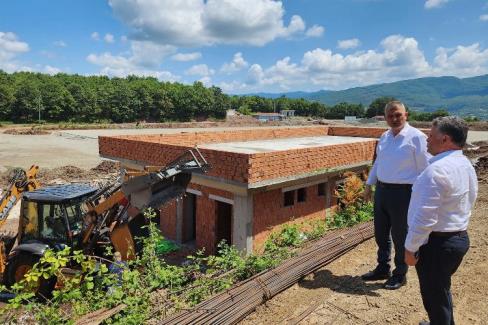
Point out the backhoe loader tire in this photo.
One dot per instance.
(20, 265)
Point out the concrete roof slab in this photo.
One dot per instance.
(283, 144)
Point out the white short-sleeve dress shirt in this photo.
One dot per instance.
(442, 198)
(401, 158)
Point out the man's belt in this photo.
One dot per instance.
(448, 233)
(391, 185)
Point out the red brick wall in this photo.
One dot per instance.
(350, 131)
(206, 217)
(272, 165)
(270, 212)
(190, 139)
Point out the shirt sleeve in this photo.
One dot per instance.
(373, 173)
(421, 155)
(473, 187)
(373, 178)
(424, 206)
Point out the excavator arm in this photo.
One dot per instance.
(20, 181)
(107, 209)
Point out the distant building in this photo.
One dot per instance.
(266, 117)
(350, 118)
(287, 113)
(230, 112)
(379, 118)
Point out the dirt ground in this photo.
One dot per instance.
(336, 294)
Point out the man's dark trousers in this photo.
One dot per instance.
(438, 260)
(390, 216)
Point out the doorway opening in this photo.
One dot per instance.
(223, 213)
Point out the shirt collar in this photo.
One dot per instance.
(445, 154)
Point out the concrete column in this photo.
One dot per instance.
(179, 220)
(242, 236)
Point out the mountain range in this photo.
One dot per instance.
(465, 97)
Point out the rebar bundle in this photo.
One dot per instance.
(232, 305)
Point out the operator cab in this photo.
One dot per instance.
(54, 215)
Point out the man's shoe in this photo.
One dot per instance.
(376, 275)
(424, 323)
(395, 282)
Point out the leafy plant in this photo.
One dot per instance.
(352, 208)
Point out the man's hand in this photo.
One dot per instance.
(367, 193)
(410, 258)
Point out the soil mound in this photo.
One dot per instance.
(31, 131)
(107, 166)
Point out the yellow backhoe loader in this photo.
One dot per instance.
(85, 217)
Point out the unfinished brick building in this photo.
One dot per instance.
(260, 177)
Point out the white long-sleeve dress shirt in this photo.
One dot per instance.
(401, 158)
(442, 198)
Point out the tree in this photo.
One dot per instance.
(6, 100)
(377, 106)
(27, 102)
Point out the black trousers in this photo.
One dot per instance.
(390, 218)
(438, 260)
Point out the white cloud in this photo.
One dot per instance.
(144, 58)
(123, 38)
(430, 4)
(200, 70)
(238, 63)
(463, 61)
(348, 43)
(484, 17)
(60, 43)
(206, 81)
(51, 70)
(10, 48)
(315, 31)
(255, 75)
(95, 36)
(398, 58)
(149, 54)
(184, 57)
(109, 38)
(204, 23)
(297, 25)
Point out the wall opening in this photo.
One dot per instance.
(288, 198)
(321, 189)
(223, 213)
(302, 194)
(189, 218)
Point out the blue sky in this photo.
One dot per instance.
(248, 46)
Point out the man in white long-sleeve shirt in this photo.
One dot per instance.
(438, 216)
(401, 155)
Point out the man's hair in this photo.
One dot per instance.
(394, 104)
(453, 126)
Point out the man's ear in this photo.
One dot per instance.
(445, 138)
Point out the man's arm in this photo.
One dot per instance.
(421, 155)
(424, 207)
